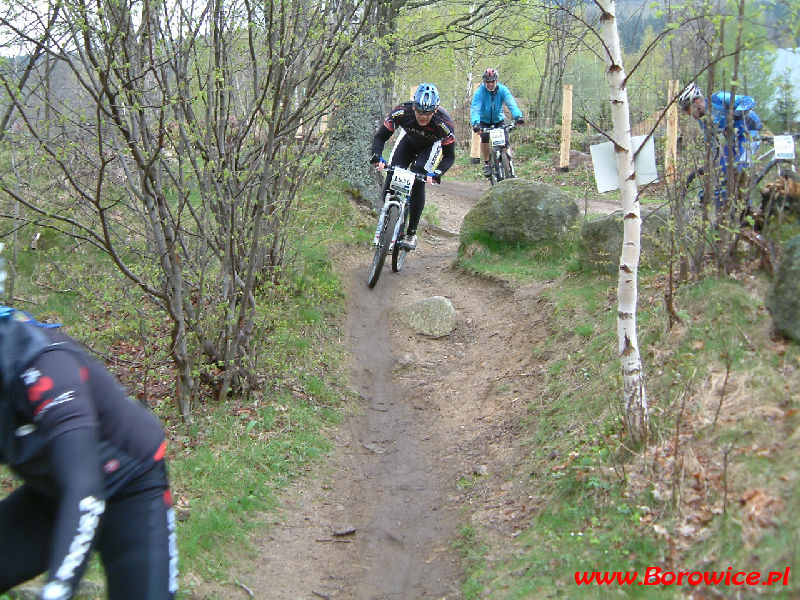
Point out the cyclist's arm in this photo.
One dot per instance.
(76, 472)
(448, 157)
(54, 395)
(512, 104)
(475, 108)
(380, 139)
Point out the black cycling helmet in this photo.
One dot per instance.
(688, 96)
(426, 98)
(490, 74)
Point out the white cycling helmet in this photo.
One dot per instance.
(688, 95)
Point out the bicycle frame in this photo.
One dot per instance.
(500, 149)
(402, 205)
(399, 195)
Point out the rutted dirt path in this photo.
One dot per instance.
(379, 521)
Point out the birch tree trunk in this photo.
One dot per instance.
(634, 394)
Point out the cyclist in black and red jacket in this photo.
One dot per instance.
(92, 464)
(426, 146)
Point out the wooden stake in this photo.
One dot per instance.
(566, 127)
(671, 151)
(475, 142)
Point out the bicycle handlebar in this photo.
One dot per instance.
(769, 138)
(418, 176)
(508, 127)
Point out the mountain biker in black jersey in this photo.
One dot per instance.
(427, 138)
(91, 460)
(486, 111)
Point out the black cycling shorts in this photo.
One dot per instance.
(135, 539)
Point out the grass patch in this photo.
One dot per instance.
(517, 263)
(603, 506)
(226, 472)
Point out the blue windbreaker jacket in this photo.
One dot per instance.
(487, 107)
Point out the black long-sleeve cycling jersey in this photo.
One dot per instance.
(73, 435)
(439, 129)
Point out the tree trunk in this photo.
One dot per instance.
(634, 394)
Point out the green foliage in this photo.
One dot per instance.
(243, 458)
(518, 263)
(225, 474)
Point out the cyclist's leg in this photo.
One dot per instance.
(425, 161)
(485, 142)
(137, 541)
(26, 525)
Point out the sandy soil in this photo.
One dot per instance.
(378, 522)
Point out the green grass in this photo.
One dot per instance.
(227, 470)
(517, 262)
(580, 464)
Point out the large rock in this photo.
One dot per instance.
(434, 316)
(601, 240)
(783, 295)
(519, 211)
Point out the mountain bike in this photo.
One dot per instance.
(392, 220)
(502, 167)
(777, 185)
(774, 187)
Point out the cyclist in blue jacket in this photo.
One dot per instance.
(746, 127)
(487, 111)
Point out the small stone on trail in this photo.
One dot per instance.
(344, 531)
(480, 470)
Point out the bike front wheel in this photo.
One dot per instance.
(398, 257)
(505, 163)
(775, 189)
(495, 176)
(382, 248)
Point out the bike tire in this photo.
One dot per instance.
(769, 189)
(398, 257)
(382, 249)
(493, 177)
(506, 165)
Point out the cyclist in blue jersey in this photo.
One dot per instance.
(91, 461)
(746, 126)
(487, 111)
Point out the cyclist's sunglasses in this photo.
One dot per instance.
(423, 112)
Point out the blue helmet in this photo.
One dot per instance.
(426, 98)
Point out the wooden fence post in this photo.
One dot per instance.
(566, 127)
(475, 142)
(671, 151)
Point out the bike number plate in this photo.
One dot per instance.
(497, 137)
(402, 180)
(784, 147)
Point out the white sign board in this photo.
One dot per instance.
(605, 164)
(784, 146)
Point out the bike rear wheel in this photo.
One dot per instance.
(382, 249)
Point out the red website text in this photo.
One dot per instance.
(657, 576)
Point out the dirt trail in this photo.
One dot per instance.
(378, 523)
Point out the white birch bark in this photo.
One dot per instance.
(634, 394)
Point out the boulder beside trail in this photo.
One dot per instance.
(783, 295)
(601, 240)
(519, 211)
(434, 316)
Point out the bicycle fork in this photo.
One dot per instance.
(382, 218)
